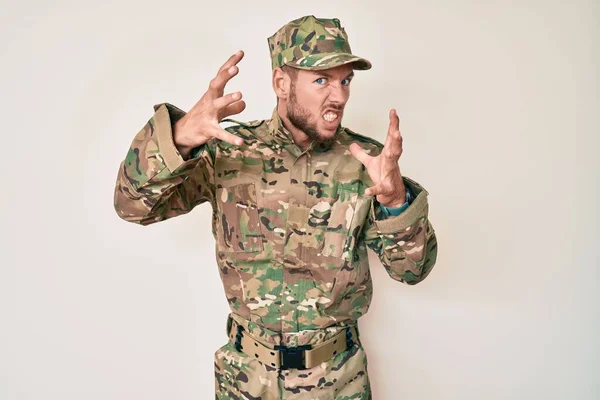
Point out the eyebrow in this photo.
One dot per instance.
(350, 75)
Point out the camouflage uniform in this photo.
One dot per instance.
(291, 228)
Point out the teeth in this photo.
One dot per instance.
(330, 116)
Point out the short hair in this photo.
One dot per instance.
(291, 71)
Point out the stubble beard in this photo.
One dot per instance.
(299, 117)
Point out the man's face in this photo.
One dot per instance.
(317, 100)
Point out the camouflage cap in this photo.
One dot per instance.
(313, 43)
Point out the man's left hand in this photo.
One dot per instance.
(384, 169)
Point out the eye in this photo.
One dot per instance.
(321, 81)
(346, 82)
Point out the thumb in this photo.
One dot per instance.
(360, 154)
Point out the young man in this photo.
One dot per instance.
(296, 201)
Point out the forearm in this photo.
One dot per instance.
(154, 181)
(405, 243)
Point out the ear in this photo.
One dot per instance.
(281, 84)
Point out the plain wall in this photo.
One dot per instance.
(498, 105)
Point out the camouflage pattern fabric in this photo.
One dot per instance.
(240, 376)
(313, 43)
(291, 231)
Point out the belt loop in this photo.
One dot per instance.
(238, 338)
(229, 323)
(349, 341)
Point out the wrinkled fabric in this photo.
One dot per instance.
(291, 226)
(240, 376)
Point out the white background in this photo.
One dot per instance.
(498, 102)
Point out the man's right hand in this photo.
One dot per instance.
(201, 123)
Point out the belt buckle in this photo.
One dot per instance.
(293, 357)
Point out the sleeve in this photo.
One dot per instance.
(406, 244)
(154, 183)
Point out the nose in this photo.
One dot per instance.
(338, 94)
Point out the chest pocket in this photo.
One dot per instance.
(238, 229)
(347, 218)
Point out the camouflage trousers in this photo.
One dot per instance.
(240, 376)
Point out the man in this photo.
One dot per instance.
(296, 201)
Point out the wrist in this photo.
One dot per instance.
(180, 141)
(395, 204)
(393, 211)
(395, 200)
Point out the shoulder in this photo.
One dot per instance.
(366, 142)
(243, 125)
(247, 130)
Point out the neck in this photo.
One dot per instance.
(299, 137)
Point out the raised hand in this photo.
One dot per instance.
(383, 168)
(201, 123)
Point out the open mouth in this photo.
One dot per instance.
(330, 116)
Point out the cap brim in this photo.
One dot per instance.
(323, 61)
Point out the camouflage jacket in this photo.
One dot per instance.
(291, 227)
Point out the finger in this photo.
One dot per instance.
(360, 154)
(387, 137)
(224, 101)
(225, 136)
(216, 86)
(393, 141)
(226, 72)
(392, 128)
(233, 60)
(394, 121)
(232, 109)
(372, 191)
